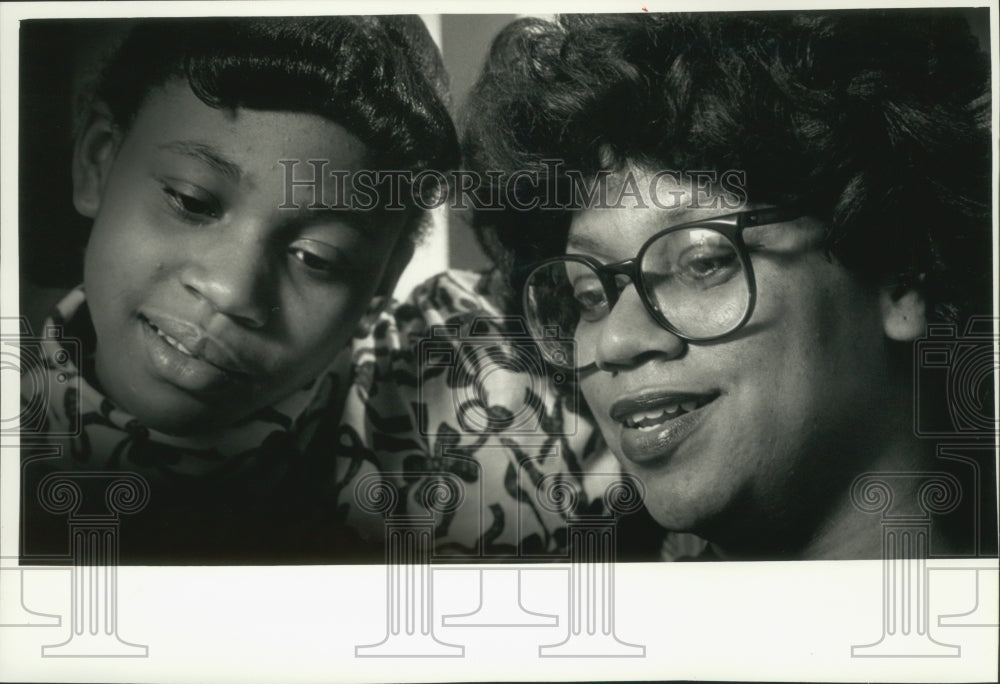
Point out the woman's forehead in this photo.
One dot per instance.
(640, 202)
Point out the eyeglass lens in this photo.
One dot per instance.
(694, 277)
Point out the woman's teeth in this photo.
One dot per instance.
(647, 420)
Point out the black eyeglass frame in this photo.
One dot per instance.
(730, 226)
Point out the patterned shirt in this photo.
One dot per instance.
(441, 410)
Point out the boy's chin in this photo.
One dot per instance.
(169, 409)
(174, 412)
(183, 423)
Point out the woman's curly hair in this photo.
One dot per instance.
(876, 122)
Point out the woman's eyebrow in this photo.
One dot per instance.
(598, 248)
(585, 243)
(207, 155)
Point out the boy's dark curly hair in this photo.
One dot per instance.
(876, 122)
(381, 77)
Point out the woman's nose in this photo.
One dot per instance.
(629, 336)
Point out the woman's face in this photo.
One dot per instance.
(756, 429)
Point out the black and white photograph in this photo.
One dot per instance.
(376, 343)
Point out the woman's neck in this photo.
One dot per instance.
(888, 482)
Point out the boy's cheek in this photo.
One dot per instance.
(305, 335)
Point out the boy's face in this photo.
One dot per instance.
(209, 300)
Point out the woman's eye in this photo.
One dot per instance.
(706, 266)
(591, 303)
(711, 268)
(188, 205)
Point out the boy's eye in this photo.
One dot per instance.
(318, 257)
(192, 204)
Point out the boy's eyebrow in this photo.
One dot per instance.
(206, 154)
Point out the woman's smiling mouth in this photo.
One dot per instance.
(674, 408)
(654, 424)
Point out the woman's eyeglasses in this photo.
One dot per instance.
(694, 279)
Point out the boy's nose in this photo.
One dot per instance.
(629, 336)
(235, 278)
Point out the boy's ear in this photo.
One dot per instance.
(904, 314)
(93, 155)
(398, 260)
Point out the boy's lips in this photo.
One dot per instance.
(653, 423)
(188, 356)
